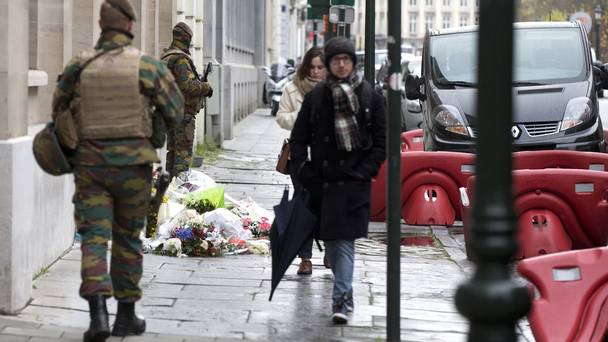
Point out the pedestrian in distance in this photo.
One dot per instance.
(178, 59)
(308, 75)
(111, 91)
(342, 121)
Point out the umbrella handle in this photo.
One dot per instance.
(319, 245)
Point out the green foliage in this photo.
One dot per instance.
(206, 200)
(208, 150)
(201, 205)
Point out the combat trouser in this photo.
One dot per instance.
(110, 204)
(180, 141)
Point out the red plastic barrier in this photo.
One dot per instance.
(412, 140)
(429, 187)
(541, 232)
(576, 199)
(378, 197)
(560, 159)
(572, 298)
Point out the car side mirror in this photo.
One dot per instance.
(600, 75)
(412, 87)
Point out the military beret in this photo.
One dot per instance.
(124, 7)
(184, 27)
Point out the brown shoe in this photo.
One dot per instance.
(326, 262)
(305, 267)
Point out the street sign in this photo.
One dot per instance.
(584, 18)
(315, 13)
(342, 3)
(347, 12)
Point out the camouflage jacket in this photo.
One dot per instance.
(184, 71)
(155, 82)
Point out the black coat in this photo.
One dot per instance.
(339, 181)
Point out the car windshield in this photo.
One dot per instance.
(541, 56)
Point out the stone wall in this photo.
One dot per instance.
(37, 38)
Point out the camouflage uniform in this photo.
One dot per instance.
(181, 139)
(113, 180)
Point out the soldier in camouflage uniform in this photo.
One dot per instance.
(179, 61)
(111, 100)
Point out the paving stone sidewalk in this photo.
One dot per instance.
(226, 299)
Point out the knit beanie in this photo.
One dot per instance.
(336, 46)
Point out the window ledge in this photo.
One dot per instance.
(37, 78)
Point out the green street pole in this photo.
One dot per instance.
(393, 222)
(370, 40)
(314, 33)
(491, 300)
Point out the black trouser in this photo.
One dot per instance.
(306, 250)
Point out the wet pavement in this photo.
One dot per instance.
(226, 299)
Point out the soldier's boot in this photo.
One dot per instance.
(99, 328)
(127, 323)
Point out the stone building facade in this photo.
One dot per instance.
(37, 38)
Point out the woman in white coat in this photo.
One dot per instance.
(310, 72)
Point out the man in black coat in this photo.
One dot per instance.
(342, 121)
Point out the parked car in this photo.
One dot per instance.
(555, 104)
(411, 110)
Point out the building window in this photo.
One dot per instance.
(429, 2)
(429, 21)
(464, 20)
(413, 2)
(464, 3)
(446, 3)
(413, 24)
(447, 21)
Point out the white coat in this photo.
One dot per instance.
(289, 107)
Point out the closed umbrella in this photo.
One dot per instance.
(292, 226)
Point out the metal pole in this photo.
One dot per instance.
(393, 277)
(314, 33)
(491, 301)
(597, 39)
(370, 40)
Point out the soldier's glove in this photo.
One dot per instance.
(210, 92)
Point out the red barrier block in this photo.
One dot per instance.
(578, 198)
(443, 172)
(571, 302)
(423, 171)
(378, 195)
(541, 232)
(428, 205)
(560, 159)
(412, 140)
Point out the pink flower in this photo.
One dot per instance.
(246, 222)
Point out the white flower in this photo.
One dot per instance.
(204, 245)
(258, 246)
(173, 246)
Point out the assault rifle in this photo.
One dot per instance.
(161, 184)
